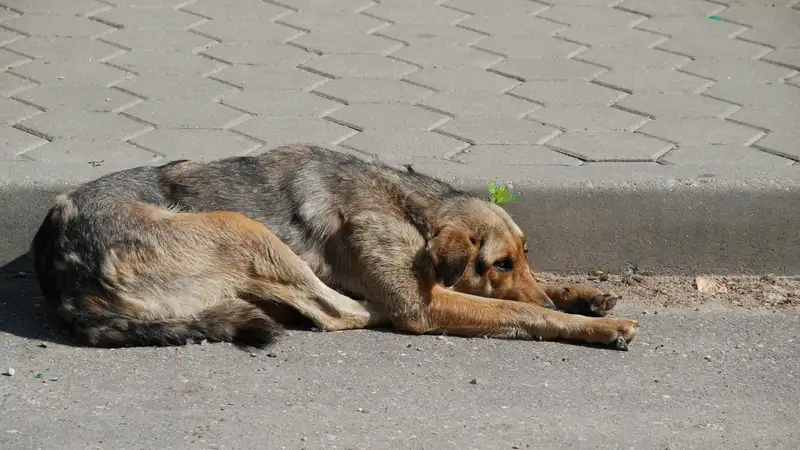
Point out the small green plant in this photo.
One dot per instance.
(500, 194)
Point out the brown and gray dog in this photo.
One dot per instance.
(227, 250)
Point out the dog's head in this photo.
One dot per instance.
(477, 249)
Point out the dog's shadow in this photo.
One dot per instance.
(24, 312)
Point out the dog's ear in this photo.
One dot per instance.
(451, 249)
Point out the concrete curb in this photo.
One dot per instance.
(667, 220)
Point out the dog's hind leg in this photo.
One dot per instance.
(268, 271)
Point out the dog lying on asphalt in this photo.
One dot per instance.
(227, 250)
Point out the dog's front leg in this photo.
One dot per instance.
(581, 299)
(451, 312)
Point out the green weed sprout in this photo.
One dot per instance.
(500, 194)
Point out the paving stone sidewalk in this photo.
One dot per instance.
(573, 82)
(475, 86)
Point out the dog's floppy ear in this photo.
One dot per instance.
(451, 250)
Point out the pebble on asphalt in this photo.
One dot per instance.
(10, 372)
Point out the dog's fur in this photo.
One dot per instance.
(225, 250)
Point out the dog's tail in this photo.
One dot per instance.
(233, 320)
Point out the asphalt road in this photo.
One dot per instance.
(713, 378)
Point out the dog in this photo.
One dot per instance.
(228, 250)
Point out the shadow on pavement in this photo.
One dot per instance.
(24, 312)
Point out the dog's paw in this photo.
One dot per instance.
(585, 300)
(616, 333)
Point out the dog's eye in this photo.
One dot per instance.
(504, 265)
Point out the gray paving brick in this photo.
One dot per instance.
(6, 14)
(611, 145)
(145, 19)
(610, 36)
(186, 113)
(146, 3)
(346, 43)
(195, 144)
(677, 8)
(58, 26)
(12, 60)
(677, 105)
(701, 131)
(729, 155)
(282, 103)
(434, 56)
(92, 152)
(69, 123)
(581, 14)
(695, 26)
(11, 84)
(500, 156)
(498, 7)
(58, 7)
(154, 86)
(356, 90)
(530, 46)
(420, 34)
(461, 79)
(714, 47)
(256, 53)
(773, 26)
(567, 92)
(327, 6)
(403, 145)
(260, 78)
(423, 13)
(63, 49)
(237, 10)
(492, 130)
(632, 58)
(8, 36)
(360, 66)
(75, 73)
(388, 116)
(162, 41)
(479, 103)
(326, 22)
(783, 141)
(512, 25)
(660, 81)
(550, 69)
(14, 142)
(739, 72)
(770, 117)
(155, 63)
(773, 95)
(275, 131)
(79, 98)
(588, 117)
(787, 56)
(248, 31)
